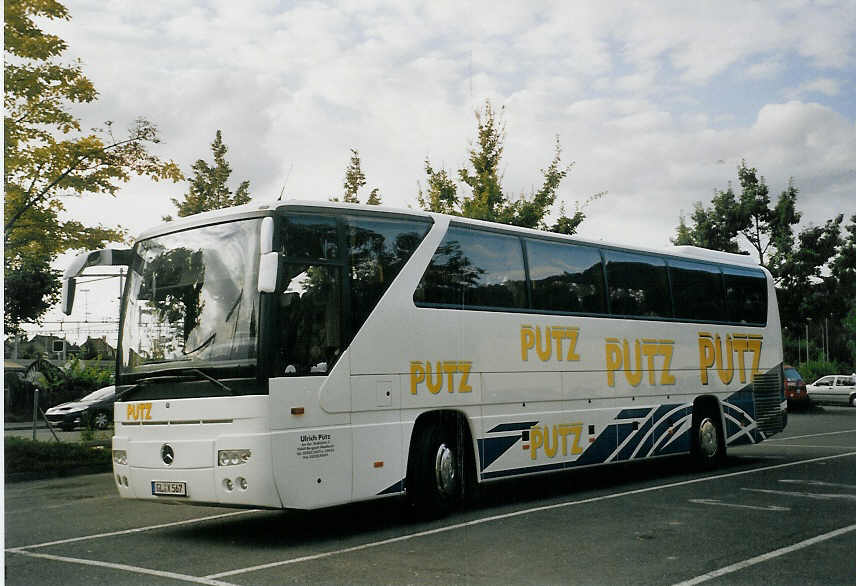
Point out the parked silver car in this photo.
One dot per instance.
(834, 389)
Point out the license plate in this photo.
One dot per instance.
(165, 488)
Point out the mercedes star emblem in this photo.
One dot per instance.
(167, 454)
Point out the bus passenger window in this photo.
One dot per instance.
(697, 291)
(638, 285)
(474, 269)
(378, 248)
(565, 277)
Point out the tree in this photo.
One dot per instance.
(354, 180)
(809, 268)
(209, 189)
(47, 155)
(482, 178)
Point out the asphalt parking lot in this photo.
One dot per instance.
(782, 512)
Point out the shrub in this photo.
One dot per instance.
(814, 369)
(28, 456)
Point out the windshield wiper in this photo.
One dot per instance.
(213, 380)
(176, 375)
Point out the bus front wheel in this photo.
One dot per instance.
(435, 481)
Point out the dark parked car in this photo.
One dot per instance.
(795, 389)
(94, 410)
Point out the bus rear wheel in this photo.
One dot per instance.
(708, 448)
(435, 478)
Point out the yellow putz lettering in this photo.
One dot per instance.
(138, 411)
(450, 368)
(715, 350)
(614, 360)
(527, 341)
(666, 348)
(550, 344)
(464, 369)
(638, 359)
(634, 377)
(434, 386)
(417, 375)
(536, 440)
(543, 353)
(551, 437)
(706, 354)
(572, 334)
(442, 374)
(725, 374)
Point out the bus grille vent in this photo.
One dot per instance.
(769, 414)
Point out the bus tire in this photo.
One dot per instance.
(435, 479)
(708, 439)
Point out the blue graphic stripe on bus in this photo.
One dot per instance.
(602, 447)
(642, 441)
(633, 413)
(529, 470)
(394, 489)
(679, 445)
(523, 426)
(492, 448)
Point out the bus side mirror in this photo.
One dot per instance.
(268, 258)
(68, 287)
(104, 257)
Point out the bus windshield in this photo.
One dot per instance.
(192, 301)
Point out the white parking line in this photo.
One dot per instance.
(792, 437)
(493, 518)
(764, 557)
(808, 495)
(128, 531)
(719, 503)
(126, 568)
(816, 483)
(809, 446)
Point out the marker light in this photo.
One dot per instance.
(120, 457)
(232, 457)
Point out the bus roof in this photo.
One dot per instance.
(260, 209)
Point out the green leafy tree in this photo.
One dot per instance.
(809, 267)
(47, 155)
(354, 180)
(209, 185)
(482, 178)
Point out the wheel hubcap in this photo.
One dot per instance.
(708, 443)
(444, 471)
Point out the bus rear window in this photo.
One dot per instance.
(745, 295)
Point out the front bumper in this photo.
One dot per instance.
(250, 484)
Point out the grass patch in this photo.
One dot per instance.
(26, 457)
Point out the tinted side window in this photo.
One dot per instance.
(565, 277)
(745, 295)
(697, 291)
(377, 249)
(309, 236)
(475, 268)
(638, 284)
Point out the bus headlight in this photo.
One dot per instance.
(232, 457)
(120, 457)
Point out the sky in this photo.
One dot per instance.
(655, 103)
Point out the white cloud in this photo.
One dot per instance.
(822, 85)
(628, 88)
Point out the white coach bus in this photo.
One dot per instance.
(301, 355)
